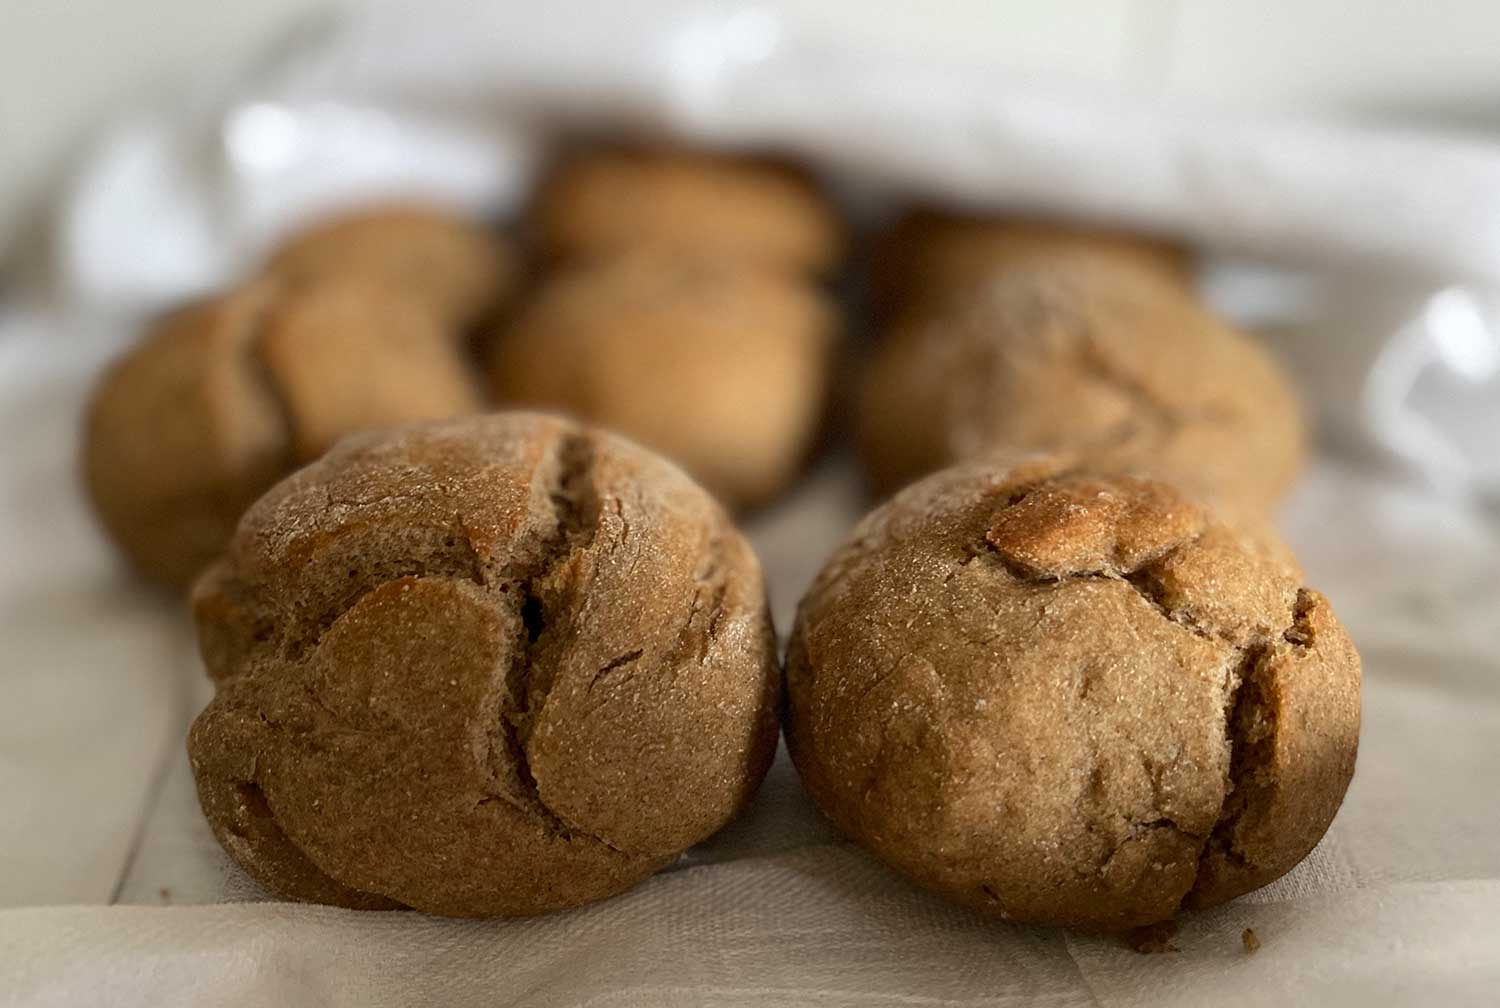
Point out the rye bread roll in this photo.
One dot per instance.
(1067, 698)
(225, 396)
(461, 271)
(492, 666)
(750, 211)
(1118, 369)
(724, 370)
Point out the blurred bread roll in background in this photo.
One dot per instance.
(350, 355)
(746, 210)
(458, 269)
(929, 256)
(220, 399)
(1119, 368)
(722, 369)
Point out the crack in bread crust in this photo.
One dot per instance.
(1250, 730)
(1249, 726)
(459, 562)
(250, 795)
(539, 584)
(710, 591)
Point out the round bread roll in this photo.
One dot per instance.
(723, 370)
(492, 666)
(1070, 699)
(739, 209)
(931, 257)
(1122, 372)
(222, 398)
(460, 271)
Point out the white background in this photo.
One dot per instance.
(66, 66)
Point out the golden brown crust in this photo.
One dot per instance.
(495, 666)
(182, 434)
(344, 355)
(701, 205)
(931, 257)
(222, 398)
(1118, 370)
(1070, 699)
(721, 369)
(1297, 731)
(459, 271)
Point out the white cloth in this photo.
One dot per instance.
(430, 97)
(795, 930)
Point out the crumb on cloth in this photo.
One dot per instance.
(1153, 939)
